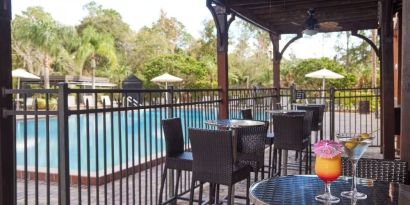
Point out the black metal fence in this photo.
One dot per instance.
(347, 110)
(259, 100)
(86, 146)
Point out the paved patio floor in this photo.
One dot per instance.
(146, 196)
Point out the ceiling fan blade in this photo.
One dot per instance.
(296, 24)
(330, 29)
(329, 24)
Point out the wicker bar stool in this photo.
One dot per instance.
(377, 169)
(213, 161)
(176, 158)
(251, 147)
(292, 132)
(247, 115)
(317, 119)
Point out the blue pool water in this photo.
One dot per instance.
(148, 139)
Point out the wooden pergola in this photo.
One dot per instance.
(287, 17)
(276, 17)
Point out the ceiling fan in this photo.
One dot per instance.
(312, 26)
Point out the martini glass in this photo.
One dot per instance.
(354, 145)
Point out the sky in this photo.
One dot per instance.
(190, 12)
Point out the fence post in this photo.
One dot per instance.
(292, 94)
(332, 112)
(63, 146)
(255, 99)
(170, 101)
(7, 152)
(170, 107)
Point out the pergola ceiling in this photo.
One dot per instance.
(288, 16)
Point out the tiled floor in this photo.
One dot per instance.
(143, 194)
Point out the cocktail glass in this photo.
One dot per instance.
(328, 170)
(354, 145)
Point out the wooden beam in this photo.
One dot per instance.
(346, 26)
(250, 18)
(275, 16)
(276, 59)
(405, 89)
(7, 143)
(387, 88)
(220, 15)
(399, 54)
(302, 11)
(368, 41)
(298, 36)
(289, 3)
(323, 17)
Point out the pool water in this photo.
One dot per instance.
(147, 135)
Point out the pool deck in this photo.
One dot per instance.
(372, 152)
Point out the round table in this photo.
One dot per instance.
(284, 112)
(235, 123)
(302, 189)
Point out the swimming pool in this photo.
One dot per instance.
(147, 135)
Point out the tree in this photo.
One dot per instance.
(37, 28)
(249, 63)
(94, 48)
(194, 73)
(204, 49)
(109, 21)
(356, 56)
(165, 36)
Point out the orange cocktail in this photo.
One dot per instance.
(328, 170)
(328, 167)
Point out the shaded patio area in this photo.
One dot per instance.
(59, 154)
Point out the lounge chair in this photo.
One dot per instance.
(71, 101)
(106, 99)
(89, 99)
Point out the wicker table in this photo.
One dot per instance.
(303, 189)
(232, 125)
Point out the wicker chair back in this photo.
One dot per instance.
(212, 155)
(174, 139)
(377, 169)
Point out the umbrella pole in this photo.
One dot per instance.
(18, 95)
(323, 90)
(166, 93)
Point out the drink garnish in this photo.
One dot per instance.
(327, 149)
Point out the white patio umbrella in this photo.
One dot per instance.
(20, 73)
(324, 74)
(166, 78)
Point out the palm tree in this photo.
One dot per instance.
(39, 29)
(95, 45)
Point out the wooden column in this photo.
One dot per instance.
(399, 54)
(277, 57)
(220, 15)
(387, 72)
(405, 88)
(7, 145)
